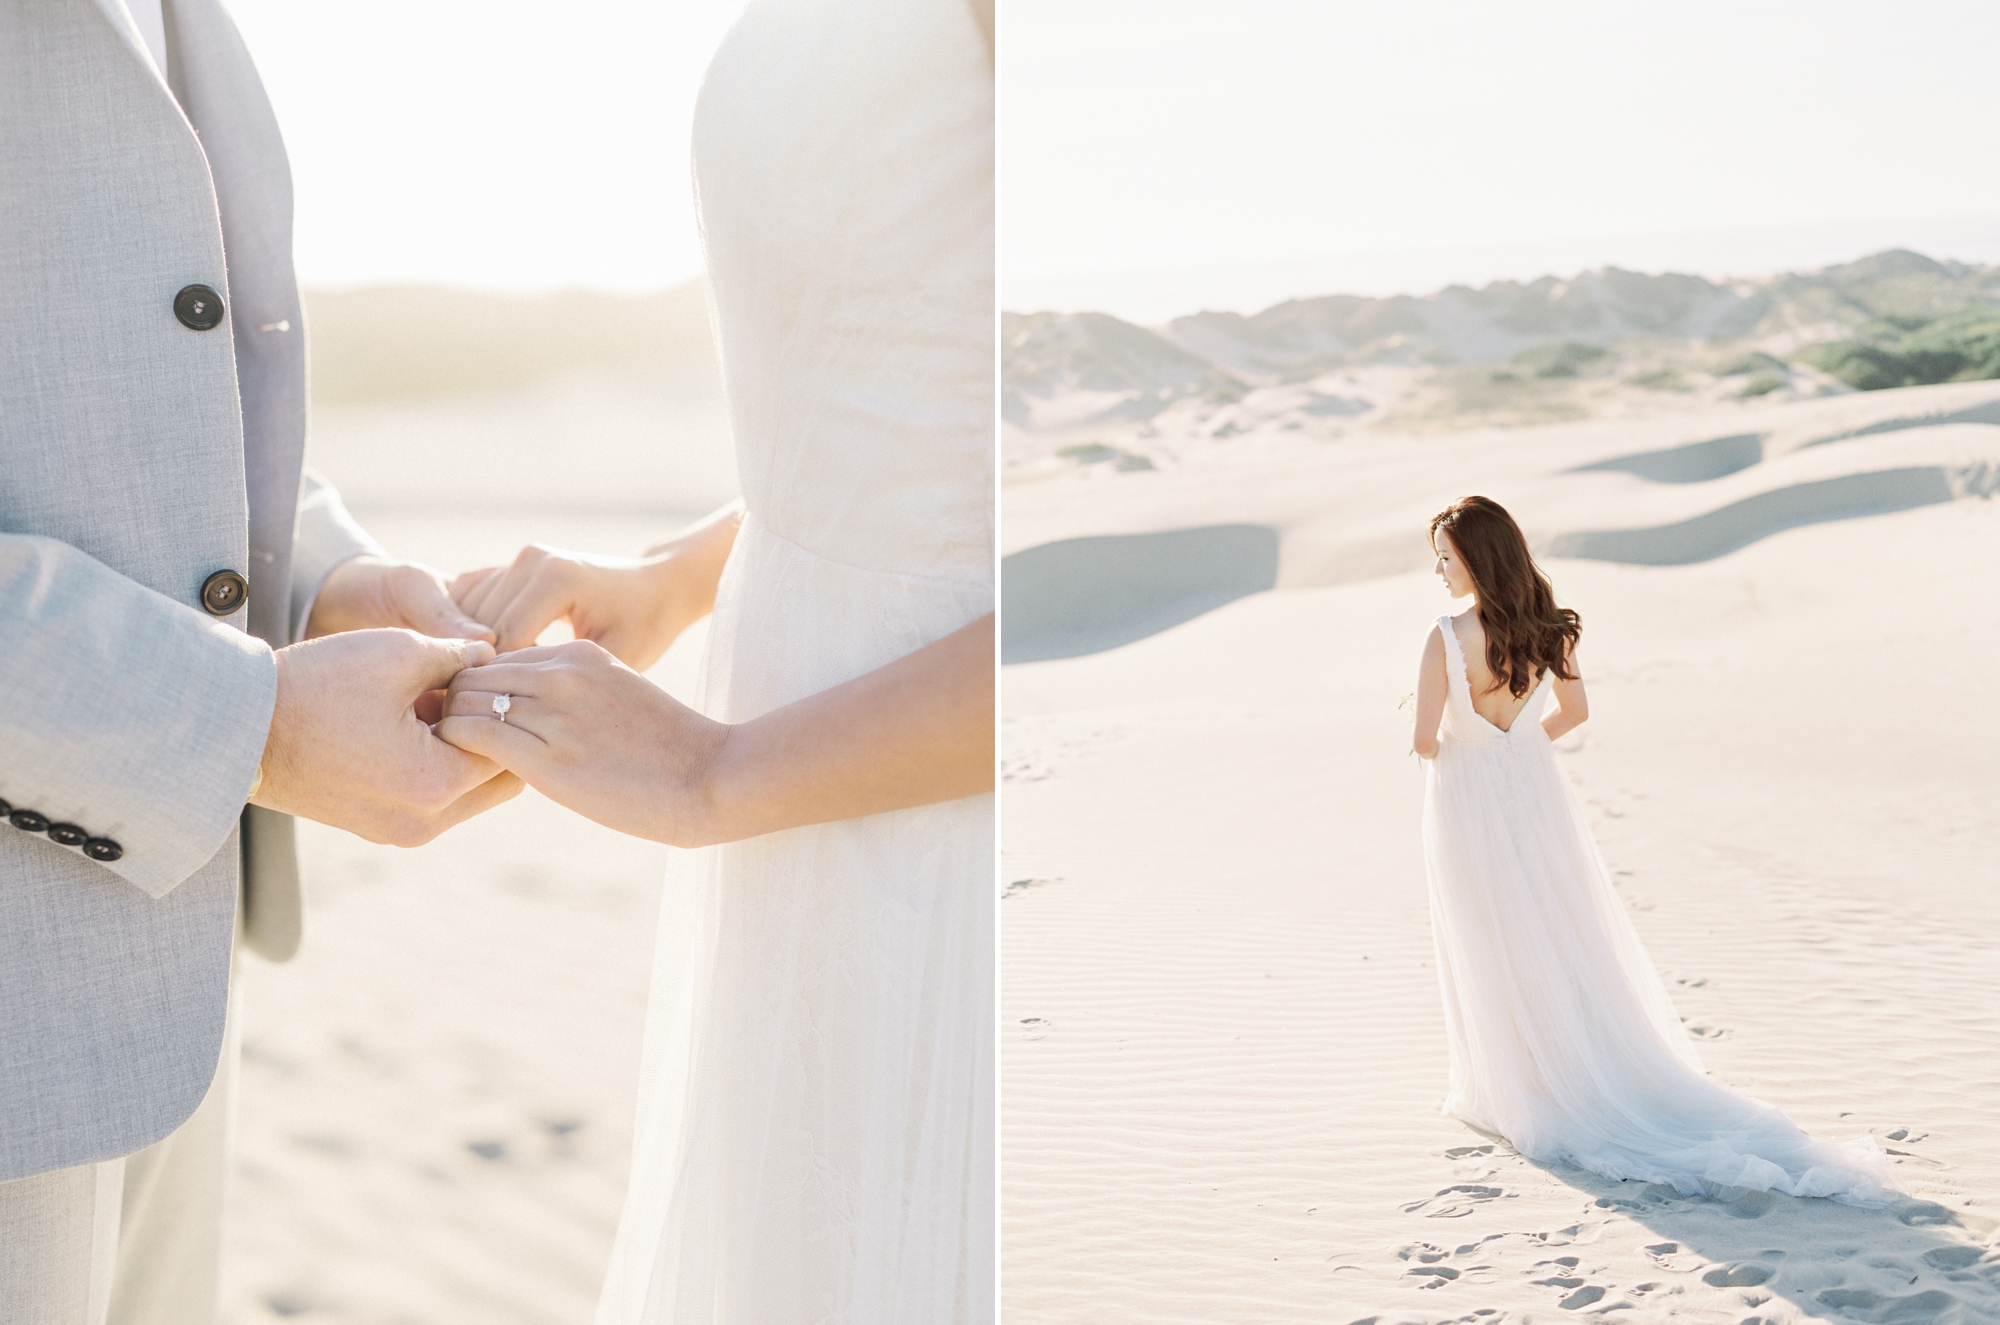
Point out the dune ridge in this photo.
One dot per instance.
(1597, 344)
(1680, 491)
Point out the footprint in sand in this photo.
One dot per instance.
(1907, 1138)
(1669, 1256)
(1428, 1272)
(1016, 886)
(1738, 1274)
(1455, 1201)
(1931, 1304)
(1586, 1296)
(1563, 1269)
(1953, 1258)
(1923, 1214)
(1430, 1276)
(1752, 1205)
(1563, 1274)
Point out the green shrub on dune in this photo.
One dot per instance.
(1753, 361)
(1959, 347)
(1660, 379)
(1559, 358)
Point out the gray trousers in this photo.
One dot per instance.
(132, 1241)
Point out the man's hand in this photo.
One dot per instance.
(348, 748)
(367, 593)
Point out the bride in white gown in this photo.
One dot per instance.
(1562, 1037)
(814, 1140)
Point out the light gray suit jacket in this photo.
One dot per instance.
(138, 457)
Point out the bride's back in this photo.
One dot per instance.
(1490, 700)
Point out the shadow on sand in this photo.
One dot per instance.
(1746, 1257)
(1696, 462)
(1085, 595)
(1911, 1261)
(1739, 524)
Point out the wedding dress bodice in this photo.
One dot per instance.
(844, 172)
(1462, 722)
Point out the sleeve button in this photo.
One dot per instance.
(103, 848)
(28, 821)
(68, 835)
(199, 308)
(223, 592)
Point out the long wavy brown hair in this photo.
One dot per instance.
(1526, 633)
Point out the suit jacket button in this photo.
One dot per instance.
(223, 592)
(68, 835)
(103, 848)
(199, 308)
(28, 821)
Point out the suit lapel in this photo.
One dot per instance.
(121, 22)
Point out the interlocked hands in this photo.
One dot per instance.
(350, 741)
(587, 730)
(398, 736)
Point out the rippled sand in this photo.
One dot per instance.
(1222, 1044)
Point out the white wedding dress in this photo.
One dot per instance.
(814, 1140)
(1562, 1037)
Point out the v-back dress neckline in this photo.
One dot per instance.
(1461, 678)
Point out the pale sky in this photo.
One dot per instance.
(496, 145)
(1162, 155)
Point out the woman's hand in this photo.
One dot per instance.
(633, 606)
(590, 733)
(626, 604)
(1572, 704)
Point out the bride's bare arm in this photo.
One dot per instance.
(634, 606)
(1572, 705)
(589, 732)
(1430, 697)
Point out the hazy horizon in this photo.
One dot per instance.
(1149, 296)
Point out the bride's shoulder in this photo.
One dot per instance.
(1434, 641)
(1457, 625)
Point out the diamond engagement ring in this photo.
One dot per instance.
(501, 703)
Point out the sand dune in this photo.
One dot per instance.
(1223, 1050)
(1593, 491)
(1605, 343)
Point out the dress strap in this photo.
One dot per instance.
(1455, 674)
